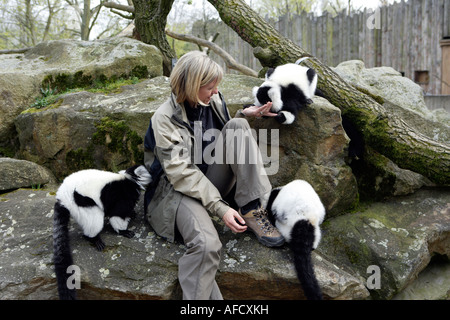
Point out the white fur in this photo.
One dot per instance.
(293, 73)
(90, 219)
(301, 60)
(289, 117)
(118, 223)
(143, 177)
(298, 201)
(255, 91)
(88, 183)
(274, 94)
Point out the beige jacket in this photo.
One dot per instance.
(175, 150)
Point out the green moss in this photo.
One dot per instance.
(81, 81)
(378, 99)
(135, 141)
(421, 160)
(46, 103)
(139, 72)
(7, 151)
(80, 159)
(85, 82)
(63, 81)
(118, 138)
(111, 134)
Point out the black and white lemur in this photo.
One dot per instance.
(289, 87)
(89, 196)
(297, 212)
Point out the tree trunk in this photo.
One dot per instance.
(384, 132)
(29, 23)
(85, 20)
(150, 21)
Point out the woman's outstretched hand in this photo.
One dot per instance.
(255, 111)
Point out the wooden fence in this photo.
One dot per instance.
(404, 35)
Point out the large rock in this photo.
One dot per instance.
(399, 237)
(91, 130)
(378, 177)
(144, 267)
(16, 174)
(65, 64)
(399, 95)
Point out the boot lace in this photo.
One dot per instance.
(263, 221)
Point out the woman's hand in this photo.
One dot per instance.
(255, 111)
(230, 218)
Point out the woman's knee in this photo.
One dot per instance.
(210, 246)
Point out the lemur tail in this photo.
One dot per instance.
(301, 60)
(302, 240)
(61, 250)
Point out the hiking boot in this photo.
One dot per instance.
(258, 222)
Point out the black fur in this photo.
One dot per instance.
(269, 72)
(302, 245)
(292, 97)
(311, 74)
(118, 198)
(293, 100)
(83, 201)
(356, 145)
(62, 254)
(262, 95)
(270, 211)
(320, 93)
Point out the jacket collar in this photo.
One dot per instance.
(217, 103)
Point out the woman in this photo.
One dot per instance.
(191, 185)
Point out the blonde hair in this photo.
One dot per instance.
(192, 71)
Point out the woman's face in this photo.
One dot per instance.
(207, 91)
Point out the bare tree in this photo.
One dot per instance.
(28, 22)
(86, 15)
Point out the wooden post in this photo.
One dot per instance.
(445, 65)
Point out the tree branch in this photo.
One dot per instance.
(129, 17)
(11, 51)
(113, 5)
(229, 60)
